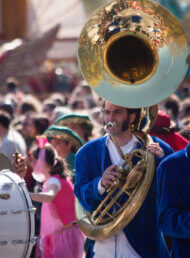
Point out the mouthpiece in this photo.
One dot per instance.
(111, 124)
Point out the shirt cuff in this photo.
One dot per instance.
(101, 189)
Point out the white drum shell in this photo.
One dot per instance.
(16, 217)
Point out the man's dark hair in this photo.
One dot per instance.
(136, 111)
(5, 119)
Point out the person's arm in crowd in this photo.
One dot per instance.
(166, 150)
(47, 196)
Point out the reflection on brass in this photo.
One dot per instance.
(5, 196)
(150, 115)
(129, 58)
(133, 32)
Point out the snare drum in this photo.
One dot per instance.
(16, 217)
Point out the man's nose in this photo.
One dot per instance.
(112, 117)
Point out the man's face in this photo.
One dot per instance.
(114, 113)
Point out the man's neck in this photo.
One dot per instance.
(123, 138)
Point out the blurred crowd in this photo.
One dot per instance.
(69, 120)
(29, 115)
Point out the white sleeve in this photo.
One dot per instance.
(101, 189)
(54, 181)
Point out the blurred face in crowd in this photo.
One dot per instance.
(79, 129)
(62, 147)
(28, 128)
(48, 111)
(186, 123)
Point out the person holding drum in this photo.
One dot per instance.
(60, 236)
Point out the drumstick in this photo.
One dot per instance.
(17, 159)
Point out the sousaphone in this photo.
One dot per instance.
(133, 54)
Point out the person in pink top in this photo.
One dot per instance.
(59, 236)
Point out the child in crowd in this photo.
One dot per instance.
(60, 236)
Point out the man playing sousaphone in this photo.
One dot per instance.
(133, 54)
(97, 164)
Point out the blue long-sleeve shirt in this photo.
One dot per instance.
(174, 201)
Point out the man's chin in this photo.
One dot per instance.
(114, 131)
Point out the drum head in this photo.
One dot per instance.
(5, 162)
(17, 226)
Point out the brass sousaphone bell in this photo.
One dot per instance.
(133, 54)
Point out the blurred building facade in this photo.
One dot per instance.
(13, 19)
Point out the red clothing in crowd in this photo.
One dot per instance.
(162, 130)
